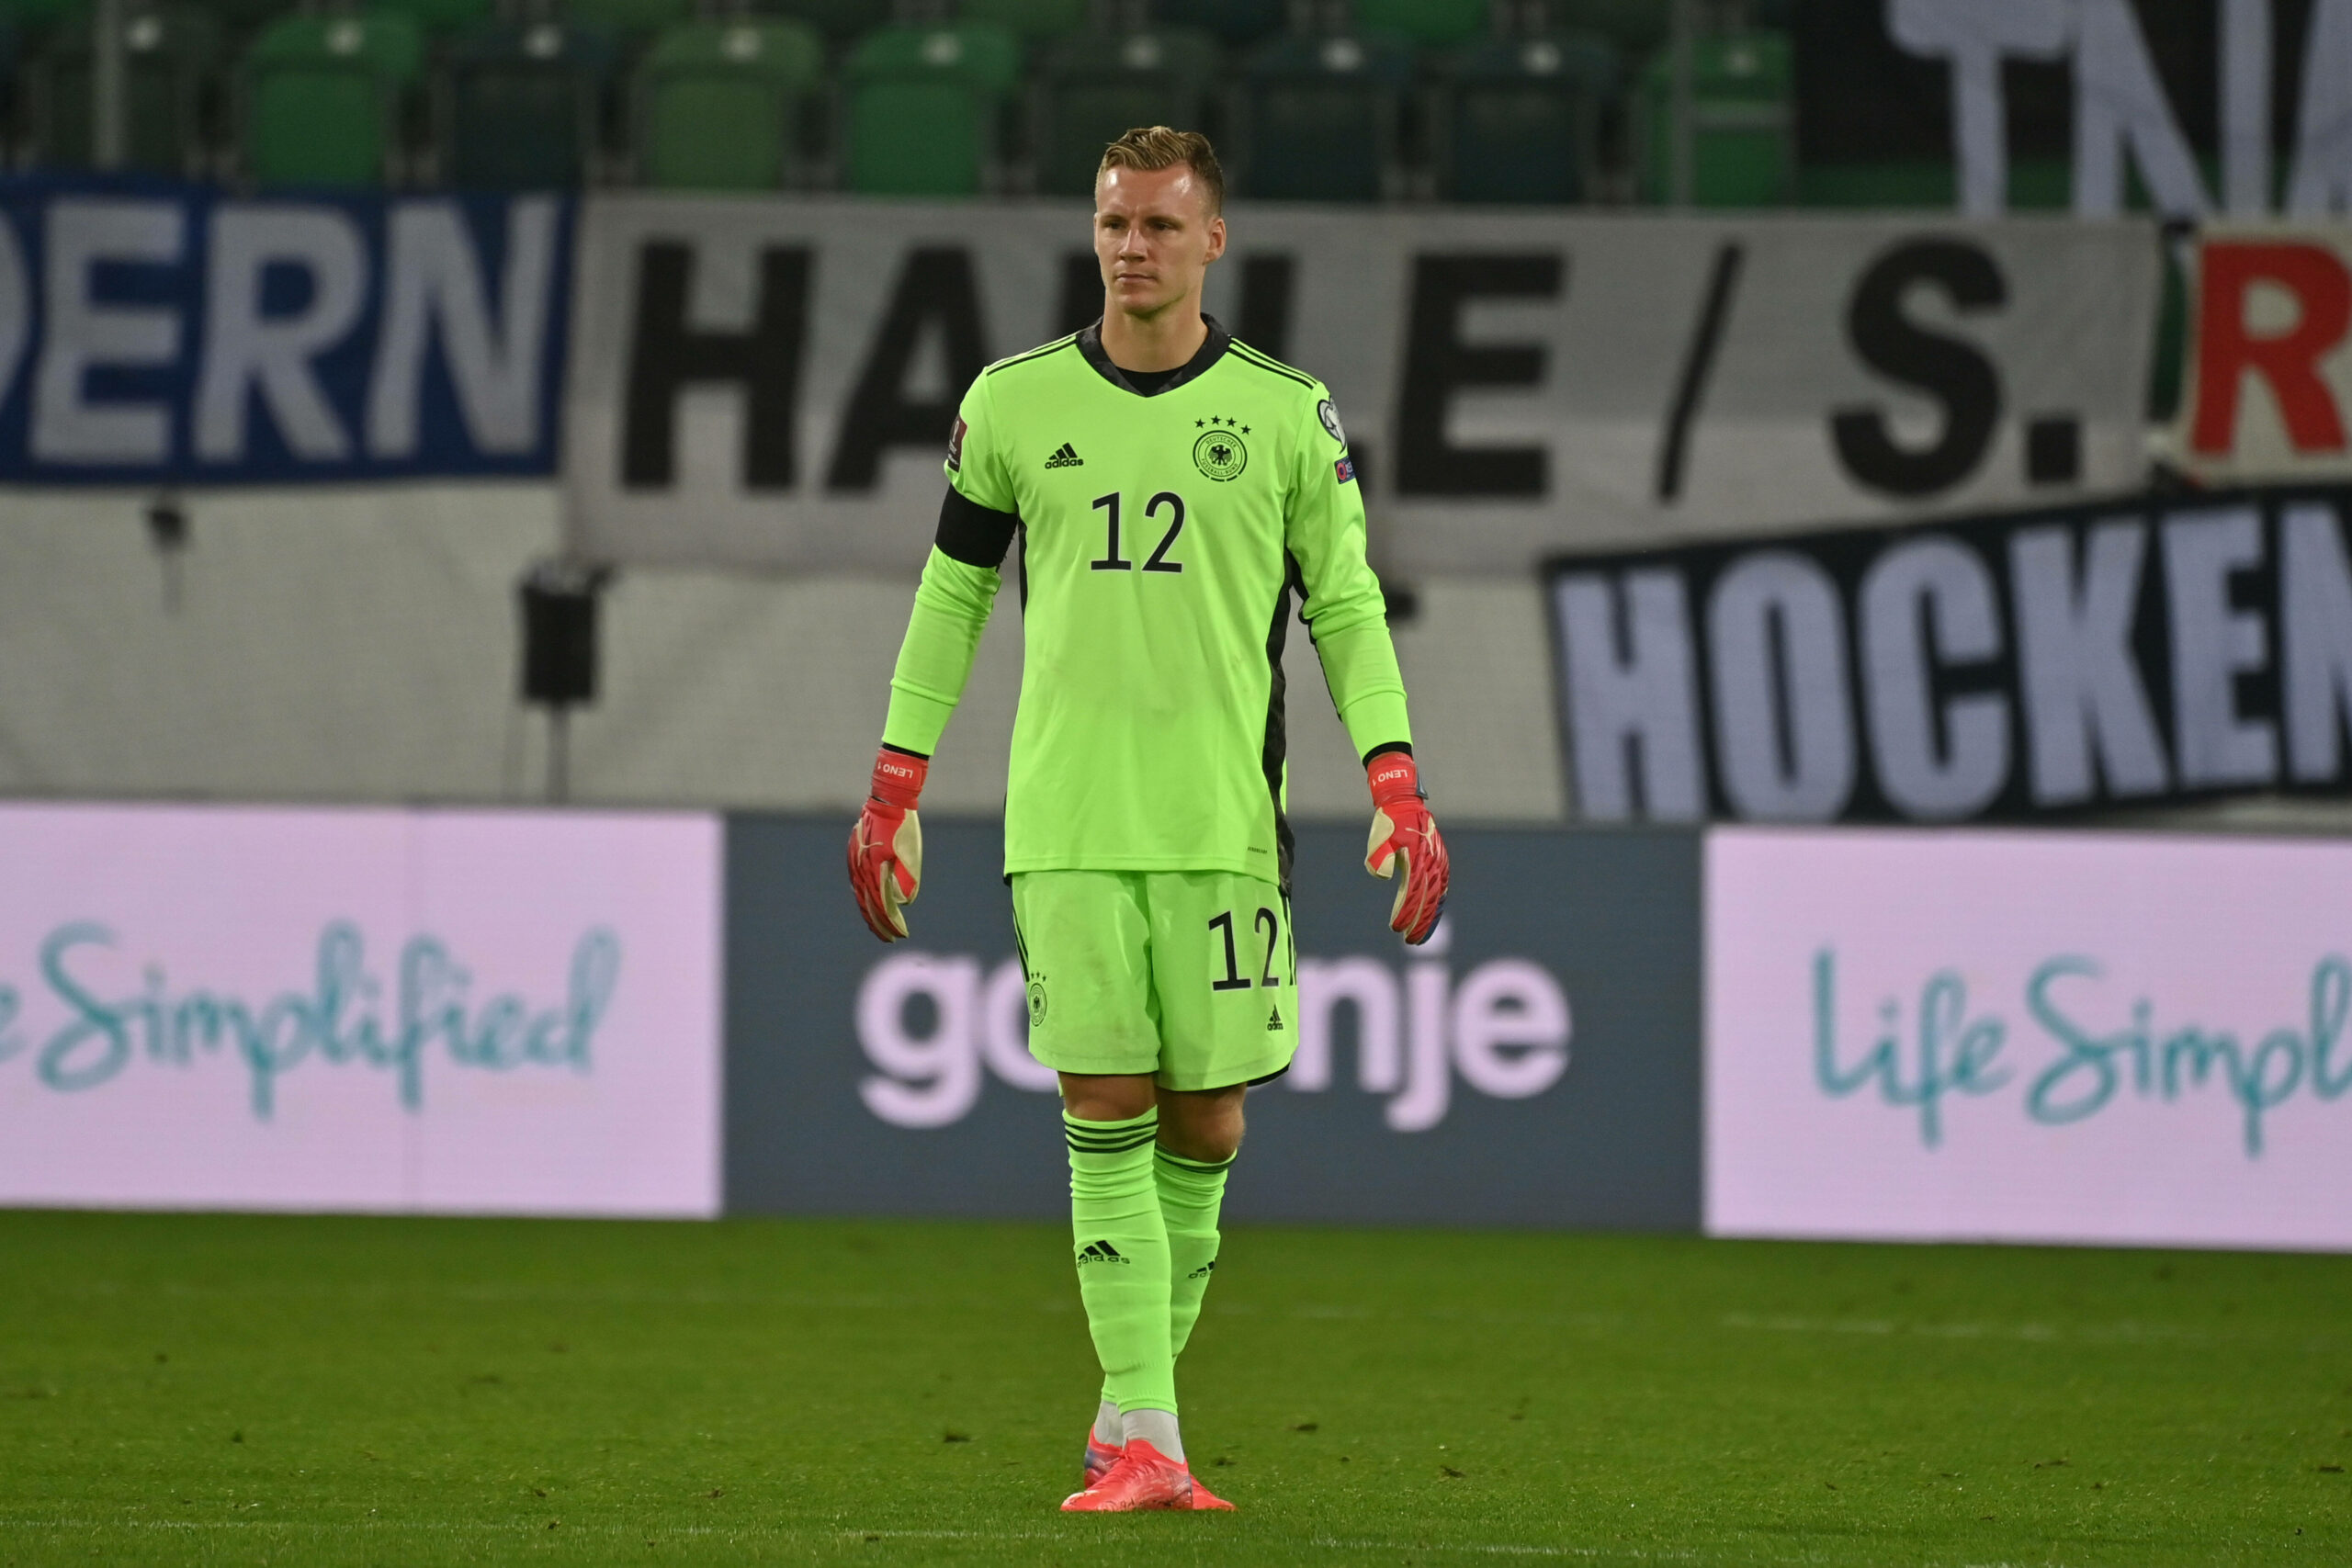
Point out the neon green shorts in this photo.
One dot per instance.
(1189, 975)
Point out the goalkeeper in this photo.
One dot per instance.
(1169, 489)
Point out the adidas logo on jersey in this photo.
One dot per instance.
(1099, 1252)
(1066, 457)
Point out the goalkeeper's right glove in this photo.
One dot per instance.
(886, 847)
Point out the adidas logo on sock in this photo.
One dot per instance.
(1066, 457)
(1204, 1271)
(1099, 1252)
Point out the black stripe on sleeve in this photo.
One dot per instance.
(1383, 749)
(973, 534)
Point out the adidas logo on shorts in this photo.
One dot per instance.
(1066, 457)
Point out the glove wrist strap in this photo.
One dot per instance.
(1393, 776)
(898, 778)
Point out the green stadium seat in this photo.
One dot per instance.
(838, 20)
(171, 52)
(1516, 117)
(518, 104)
(718, 104)
(322, 97)
(628, 19)
(1637, 27)
(31, 18)
(436, 16)
(1234, 23)
(1093, 87)
(1743, 143)
(240, 20)
(1318, 117)
(922, 107)
(1431, 24)
(1031, 21)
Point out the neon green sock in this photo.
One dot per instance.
(1192, 1192)
(1122, 1249)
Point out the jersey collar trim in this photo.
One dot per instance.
(1212, 349)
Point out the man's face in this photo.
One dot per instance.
(1153, 236)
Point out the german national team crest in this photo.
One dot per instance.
(1220, 454)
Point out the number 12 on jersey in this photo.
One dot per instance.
(1166, 500)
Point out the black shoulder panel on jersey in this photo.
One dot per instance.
(1266, 362)
(973, 534)
(1038, 352)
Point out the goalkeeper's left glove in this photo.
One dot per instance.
(886, 847)
(1403, 830)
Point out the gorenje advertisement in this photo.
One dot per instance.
(2028, 1037)
(1535, 1063)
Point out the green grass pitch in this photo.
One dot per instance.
(329, 1391)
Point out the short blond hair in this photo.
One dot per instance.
(1156, 147)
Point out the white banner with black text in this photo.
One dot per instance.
(770, 383)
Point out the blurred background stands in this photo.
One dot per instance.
(1558, 102)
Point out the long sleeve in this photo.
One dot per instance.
(977, 524)
(1366, 685)
(943, 635)
(1344, 609)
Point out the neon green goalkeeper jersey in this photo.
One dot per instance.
(1163, 540)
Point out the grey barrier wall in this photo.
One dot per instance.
(1537, 1064)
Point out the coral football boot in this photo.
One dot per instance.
(1142, 1478)
(1100, 1457)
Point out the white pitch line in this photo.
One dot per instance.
(1501, 1549)
(2031, 1333)
(755, 1531)
(433, 1526)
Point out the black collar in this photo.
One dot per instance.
(1213, 347)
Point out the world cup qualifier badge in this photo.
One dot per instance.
(1218, 451)
(1330, 418)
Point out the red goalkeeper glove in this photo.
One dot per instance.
(1403, 830)
(886, 847)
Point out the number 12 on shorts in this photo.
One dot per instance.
(1267, 921)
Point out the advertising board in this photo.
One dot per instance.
(359, 1009)
(2019, 1036)
(1535, 1063)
